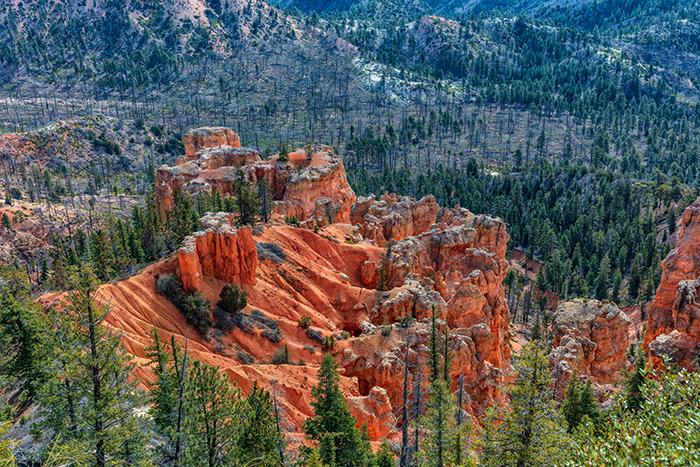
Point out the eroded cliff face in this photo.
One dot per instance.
(393, 217)
(220, 251)
(367, 279)
(209, 137)
(673, 326)
(308, 185)
(457, 268)
(590, 338)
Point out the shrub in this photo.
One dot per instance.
(292, 220)
(244, 357)
(304, 322)
(329, 342)
(245, 322)
(270, 327)
(196, 309)
(194, 306)
(225, 321)
(271, 251)
(281, 357)
(232, 298)
(170, 286)
(314, 335)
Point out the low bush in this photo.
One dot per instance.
(224, 320)
(270, 327)
(281, 357)
(304, 322)
(271, 251)
(232, 298)
(244, 357)
(193, 305)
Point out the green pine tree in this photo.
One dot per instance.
(439, 427)
(531, 431)
(384, 457)
(167, 396)
(90, 400)
(579, 403)
(23, 335)
(213, 417)
(259, 441)
(247, 203)
(332, 427)
(634, 398)
(434, 351)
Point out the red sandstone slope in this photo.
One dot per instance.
(369, 285)
(673, 327)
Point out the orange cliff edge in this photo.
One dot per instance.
(357, 268)
(673, 326)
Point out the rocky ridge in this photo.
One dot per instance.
(308, 185)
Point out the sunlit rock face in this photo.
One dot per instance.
(673, 326)
(590, 338)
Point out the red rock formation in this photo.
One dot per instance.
(209, 137)
(673, 326)
(219, 251)
(450, 259)
(591, 338)
(394, 217)
(311, 188)
(459, 270)
(317, 191)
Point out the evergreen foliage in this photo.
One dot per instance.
(193, 305)
(579, 403)
(23, 335)
(214, 413)
(332, 427)
(90, 401)
(664, 430)
(232, 298)
(531, 431)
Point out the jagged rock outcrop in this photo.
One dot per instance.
(673, 326)
(456, 268)
(317, 191)
(220, 251)
(393, 217)
(591, 338)
(209, 137)
(374, 411)
(309, 185)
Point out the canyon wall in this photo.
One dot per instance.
(673, 326)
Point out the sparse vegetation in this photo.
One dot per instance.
(281, 356)
(304, 322)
